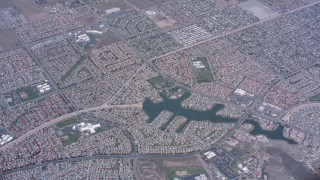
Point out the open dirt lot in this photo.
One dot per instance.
(193, 161)
(105, 5)
(8, 40)
(109, 38)
(5, 4)
(88, 20)
(150, 169)
(32, 12)
(143, 4)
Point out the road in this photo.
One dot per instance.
(176, 83)
(289, 112)
(61, 118)
(83, 158)
(234, 31)
(150, 61)
(124, 85)
(279, 121)
(104, 106)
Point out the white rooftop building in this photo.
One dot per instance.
(5, 138)
(209, 154)
(201, 177)
(86, 127)
(112, 10)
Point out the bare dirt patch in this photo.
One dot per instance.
(5, 4)
(193, 161)
(107, 39)
(31, 10)
(8, 40)
(105, 5)
(168, 22)
(88, 20)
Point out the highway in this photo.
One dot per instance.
(135, 154)
(83, 158)
(234, 31)
(61, 118)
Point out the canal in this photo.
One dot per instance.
(174, 105)
(276, 134)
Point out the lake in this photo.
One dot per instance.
(174, 105)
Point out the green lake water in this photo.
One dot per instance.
(277, 134)
(174, 105)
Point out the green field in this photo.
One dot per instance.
(32, 94)
(30, 91)
(171, 172)
(93, 40)
(202, 59)
(73, 137)
(159, 82)
(67, 122)
(203, 74)
(234, 166)
(67, 134)
(87, 48)
(93, 37)
(315, 98)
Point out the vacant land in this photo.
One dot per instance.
(258, 9)
(33, 3)
(169, 168)
(178, 168)
(32, 10)
(5, 4)
(283, 166)
(8, 40)
(105, 5)
(178, 172)
(143, 4)
(108, 38)
(88, 20)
